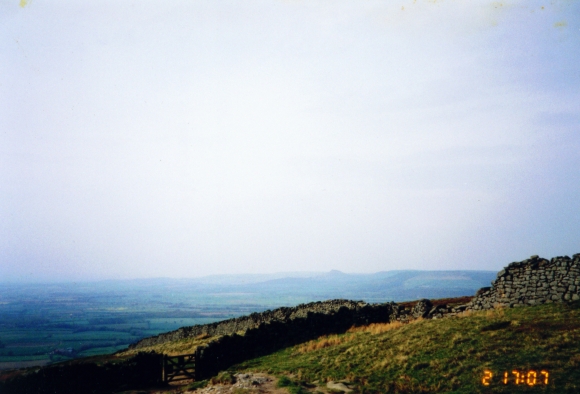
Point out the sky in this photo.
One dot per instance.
(145, 139)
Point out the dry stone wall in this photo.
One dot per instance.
(426, 309)
(339, 312)
(531, 282)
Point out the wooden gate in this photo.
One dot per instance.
(176, 368)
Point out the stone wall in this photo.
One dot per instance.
(351, 312)
(427, 310)
(531, 282)
(281, 333)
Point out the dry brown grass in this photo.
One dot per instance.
(497, 312)
(323, 342)
(334, 340)
(182, 346)
(376, 328)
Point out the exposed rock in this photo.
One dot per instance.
(250, 383)
(421, 308)
(338, 386)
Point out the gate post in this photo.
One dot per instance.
(198, 369)
(196, 361)
(163, 369)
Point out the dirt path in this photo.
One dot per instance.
(246, 383)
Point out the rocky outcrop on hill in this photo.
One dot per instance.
(530, 282)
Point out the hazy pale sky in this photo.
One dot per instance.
(187, 138)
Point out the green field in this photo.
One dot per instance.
(51, 323)
(45, 342)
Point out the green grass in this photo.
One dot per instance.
(292, 386)
(25, 336)
(445, 355)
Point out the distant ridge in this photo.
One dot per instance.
(292, 288)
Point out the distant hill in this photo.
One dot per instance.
(284, 288)
(376, 287)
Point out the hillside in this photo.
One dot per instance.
(443, 355)
(434, 355)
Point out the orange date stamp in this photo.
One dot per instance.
(518, 377)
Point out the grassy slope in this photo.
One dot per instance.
(175, 348)
(446, 355)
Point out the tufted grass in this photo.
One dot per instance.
(444, 355)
